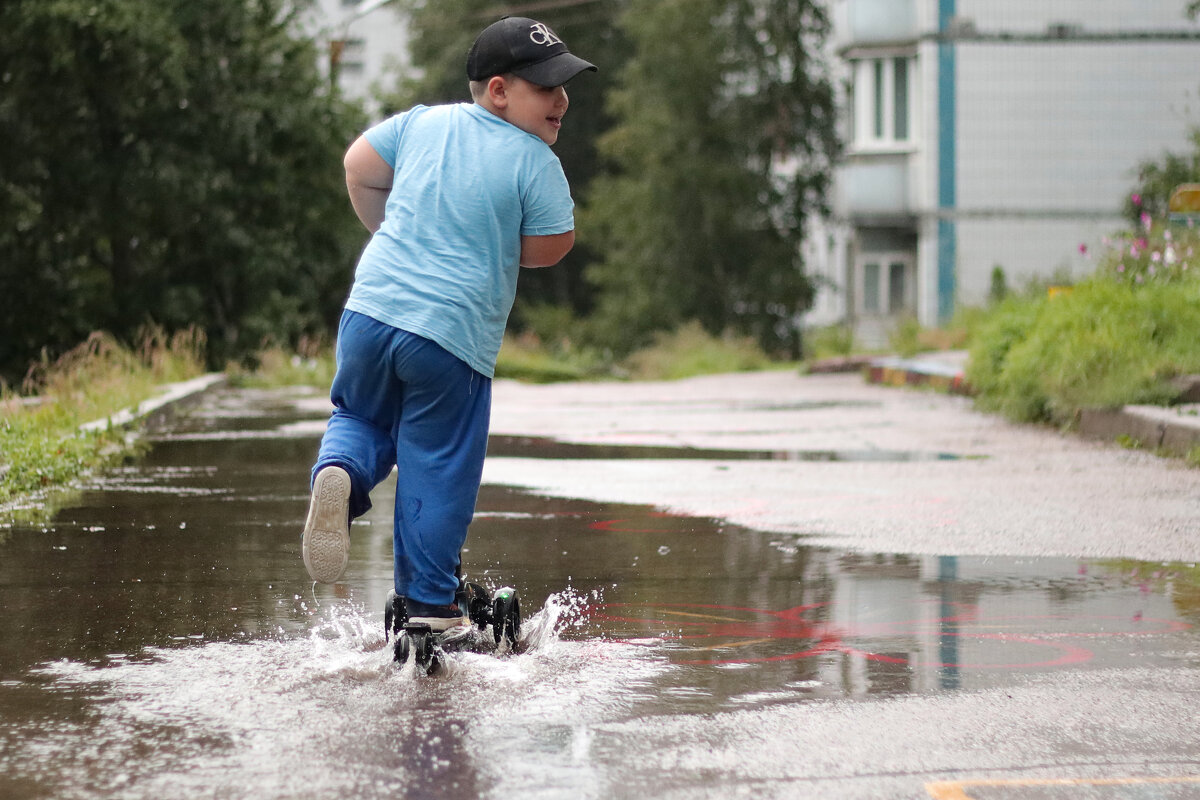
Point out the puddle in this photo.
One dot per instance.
(161, 637)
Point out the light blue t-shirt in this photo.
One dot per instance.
(444, 263)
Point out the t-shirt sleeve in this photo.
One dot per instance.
(547, 207)
(385, 136)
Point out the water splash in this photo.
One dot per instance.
(328, 713)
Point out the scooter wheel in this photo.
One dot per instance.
(506, 616)
(475, 602)
(395, 615)
(419, 643)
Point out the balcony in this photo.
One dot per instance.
(871, 21)
(876, 187)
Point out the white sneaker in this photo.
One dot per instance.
(326, 538)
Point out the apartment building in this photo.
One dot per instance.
(366, 43)
(986, 134)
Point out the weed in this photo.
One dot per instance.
(1193, 456)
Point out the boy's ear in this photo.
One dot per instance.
(497, 90)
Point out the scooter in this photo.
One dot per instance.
(501, 612)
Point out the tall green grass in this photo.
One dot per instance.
(1117, 338)
(41, 446)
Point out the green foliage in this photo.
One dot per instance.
(998, 288)
(312, 363)
(1116, 338)
(1105, 343)
(1193, 457)
(41, 446)
(691, 350)
(176, 162)
(723, 146)
(829, 341)
(905, 337)
(528, 358)
(1155, 253)
(1158, 179)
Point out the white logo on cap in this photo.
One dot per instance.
(540, 34)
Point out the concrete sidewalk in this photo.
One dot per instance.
(1171, 430)
(845, 463)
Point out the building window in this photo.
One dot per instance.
(900, 104)
(883, 105)
(351, 57)
(887, 285)
(871, 288)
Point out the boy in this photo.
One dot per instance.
(457, 198)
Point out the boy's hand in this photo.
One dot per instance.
(368, 180)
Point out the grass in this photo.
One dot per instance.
(683, 353)
(1105, 344)
(41, 446)
(311, 364)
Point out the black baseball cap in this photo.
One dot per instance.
(526, 48)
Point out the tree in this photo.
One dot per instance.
(724, 144)
(1158, 179)
(176, 163)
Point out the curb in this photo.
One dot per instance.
(1174, 431)
(1171, 430)
(943, 373)
(171, 395)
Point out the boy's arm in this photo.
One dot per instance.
(545, 251)
(368, 180)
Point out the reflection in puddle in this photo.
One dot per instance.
(161, 638)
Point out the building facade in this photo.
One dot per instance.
(984, 135)
(365, 41)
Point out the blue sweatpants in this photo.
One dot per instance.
(402, 400)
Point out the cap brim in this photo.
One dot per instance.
(554, 71)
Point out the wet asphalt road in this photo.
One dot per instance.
(758, 585)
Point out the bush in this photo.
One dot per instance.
(691, 350)
(1107, 342)
(829, 342)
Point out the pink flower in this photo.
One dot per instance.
(1121, 267)
(1146, 221)
(1082, 249)
(1136, 198)
(1156, 256)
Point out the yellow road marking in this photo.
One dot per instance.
(956, 790)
